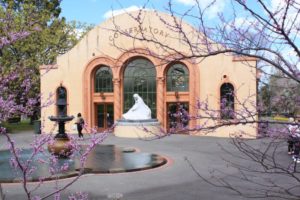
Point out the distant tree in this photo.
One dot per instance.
(284, 95)
(50, 36)
(265, 99)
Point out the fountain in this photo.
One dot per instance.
(102, 159)
(60, 146)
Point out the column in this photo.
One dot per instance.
(117, 98)
(160, 99)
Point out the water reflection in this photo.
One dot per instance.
(103, 159)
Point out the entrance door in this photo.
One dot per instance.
(104, 116)
(177, 115)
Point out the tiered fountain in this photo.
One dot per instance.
(61, 145)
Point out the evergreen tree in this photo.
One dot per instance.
(50, 36)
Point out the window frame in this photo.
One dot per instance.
(227, 92)
(103, 80)
(170, 78)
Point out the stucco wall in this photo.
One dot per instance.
(98, 42)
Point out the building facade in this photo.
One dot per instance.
(102, 72)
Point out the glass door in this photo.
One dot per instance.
(104, 116)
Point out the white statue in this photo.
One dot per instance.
(139, 111)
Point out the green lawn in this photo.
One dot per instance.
(18, 127)
(281, 118)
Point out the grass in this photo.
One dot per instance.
(18, 127)
(281, 118)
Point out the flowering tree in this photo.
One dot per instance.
(15, 86)
(11, 104)
(267, 37)
(265, 30)
(26, 168)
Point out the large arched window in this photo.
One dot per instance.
(227, 101)
(103, 79)
(178, 78)
(140, 78)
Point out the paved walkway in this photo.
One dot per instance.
(174, 181)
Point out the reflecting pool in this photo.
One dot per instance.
(102, 159)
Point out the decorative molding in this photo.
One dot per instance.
(243, 58)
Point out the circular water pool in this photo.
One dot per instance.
(102, 159)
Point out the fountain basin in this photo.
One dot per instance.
(61, 118)
(60, 147)
(102, 159)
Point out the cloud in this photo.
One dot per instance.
(113, 13)
(292, 56)
(187, 2)
(279, 6)
(243, 22)
(291, 19)
(212, 11)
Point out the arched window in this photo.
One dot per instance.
(178, 78)
(140, 78)
(227, 101)
(103, 79)
(61, 101)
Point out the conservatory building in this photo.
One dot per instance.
(102, 72)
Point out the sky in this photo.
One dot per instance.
(96, 11)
